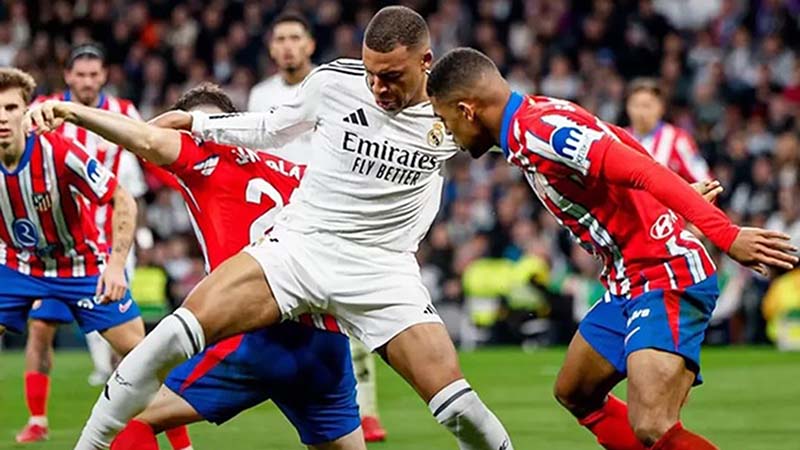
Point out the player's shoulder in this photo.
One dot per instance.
(117, 104)
(45, 97)
(343, 70)
(545, 114)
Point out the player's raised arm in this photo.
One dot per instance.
(158, 145)
(269, 129)
(751, 247)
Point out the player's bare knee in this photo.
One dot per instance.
(649, 426)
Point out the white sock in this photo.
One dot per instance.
(38, 420)
(101, 352)
(138, 377)
(364, 367)
(459, 409)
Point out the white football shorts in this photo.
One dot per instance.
(374, 292)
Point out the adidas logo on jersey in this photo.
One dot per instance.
(207, 166)
(357, 117)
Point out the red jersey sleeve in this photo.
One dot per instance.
(190, 158)
(620, 164)
(82, 172)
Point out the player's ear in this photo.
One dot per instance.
(312, 47)
(427, 59)
(467, 110)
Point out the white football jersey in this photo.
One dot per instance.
(374, 177)
(270, 93)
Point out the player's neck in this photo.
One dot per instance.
(420, 96)
(643, 129)
(492, 114)
(92, 103)
(292, 77)
(12, 154)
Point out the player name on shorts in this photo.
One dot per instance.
(381, 160)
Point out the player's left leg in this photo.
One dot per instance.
(663, 348)
(594, 364)
(364, 366)
(424, 355)
(380, 296)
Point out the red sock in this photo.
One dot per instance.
(179, 437)
(678, 438)
(136, 435)
(611, 426)
(37, 389)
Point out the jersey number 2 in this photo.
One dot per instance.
(256, 188)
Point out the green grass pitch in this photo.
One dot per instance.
(751, 401)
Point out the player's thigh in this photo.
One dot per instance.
(168, 410)
(353, 441)
(585, 378)
(125, 336)
(233, 299)
(658, 383)
(425, 356)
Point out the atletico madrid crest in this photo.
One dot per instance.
(42, 201)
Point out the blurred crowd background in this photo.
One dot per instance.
(498, 267)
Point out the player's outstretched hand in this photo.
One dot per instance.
(46, 116)
(761, 249)
(112, 284)
(709, 189)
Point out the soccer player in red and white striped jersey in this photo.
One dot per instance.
(668, 144)
(85, 76)
(631, 212)
(49, 243)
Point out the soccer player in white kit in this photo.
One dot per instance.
(291, 45)
(346, 242)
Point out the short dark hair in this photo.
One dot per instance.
(645, 84)
(89, 50)
(292, 16)
(394, 26)
(205, 94)
(458, 69)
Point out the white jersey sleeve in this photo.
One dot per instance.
(130, 174)
(270, 129)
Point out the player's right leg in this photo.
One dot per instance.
(17, 293)
(38, 362)
(233, 299)
(594, 364)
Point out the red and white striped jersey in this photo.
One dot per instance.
(233, 195)
(674, 147)
(122, 163)
(564, 152)
(47, 230)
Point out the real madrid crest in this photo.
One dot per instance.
(436, 134)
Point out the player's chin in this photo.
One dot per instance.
(476, 152)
